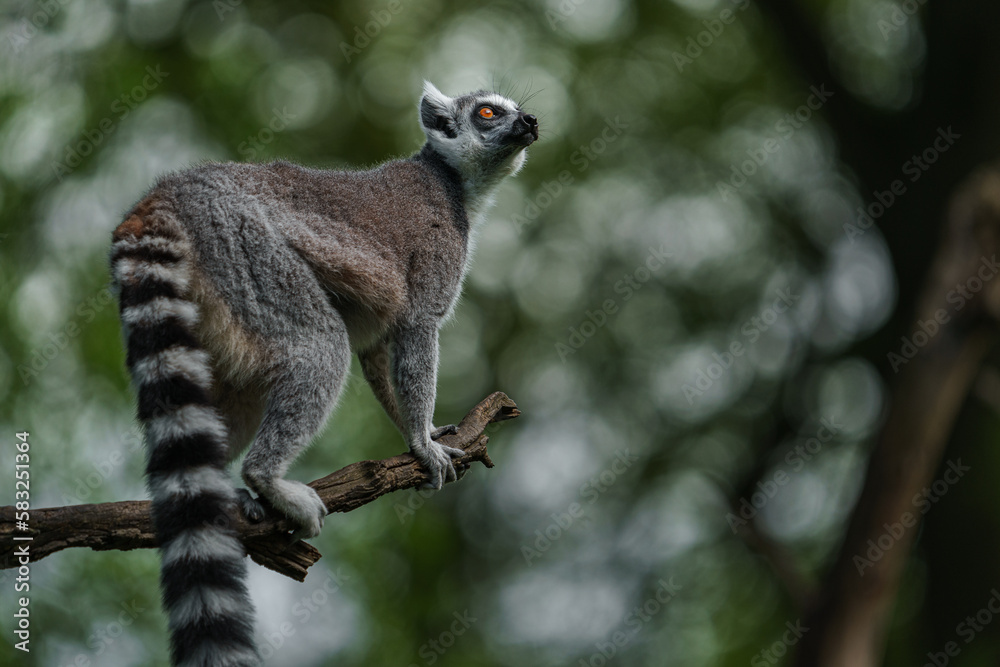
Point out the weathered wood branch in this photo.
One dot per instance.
(128, 525)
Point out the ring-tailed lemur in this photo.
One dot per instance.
(245, 287)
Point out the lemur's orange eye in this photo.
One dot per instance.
(486, 112)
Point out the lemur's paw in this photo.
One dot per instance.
(302, 505)
(450, 429)
(436, 459)
(252, 508)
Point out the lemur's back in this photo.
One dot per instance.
(276, 244)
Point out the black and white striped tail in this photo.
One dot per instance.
(203, 569)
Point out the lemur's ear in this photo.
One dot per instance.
(437, 111)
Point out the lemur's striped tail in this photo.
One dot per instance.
(203, 568)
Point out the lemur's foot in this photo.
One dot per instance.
(300, 503)
(253, 509)
(450, 429)
(436, 459)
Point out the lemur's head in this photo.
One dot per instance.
(483, 135)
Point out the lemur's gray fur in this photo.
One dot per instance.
(244, 290)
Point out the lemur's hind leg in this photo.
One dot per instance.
(242, 408)
(306, 379)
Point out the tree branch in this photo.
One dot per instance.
(850, 623)
(128, 525)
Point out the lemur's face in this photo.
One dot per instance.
(481, 132)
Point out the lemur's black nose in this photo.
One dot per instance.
(530, 122)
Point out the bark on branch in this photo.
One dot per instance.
(128, 525)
